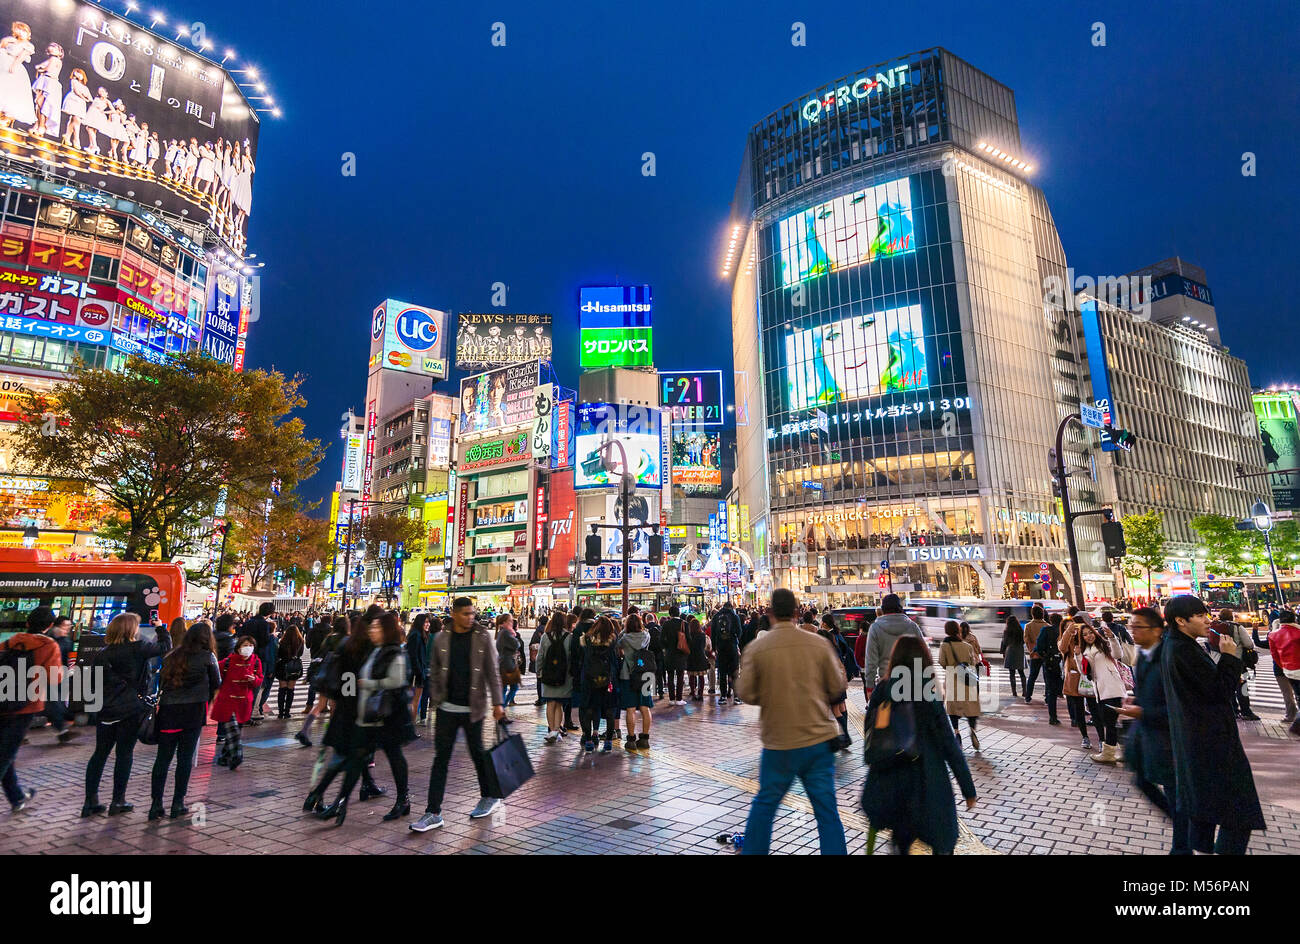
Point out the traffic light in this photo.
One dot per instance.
(1122, 438)
(1112, 535)
(656, 551)
(591, 554)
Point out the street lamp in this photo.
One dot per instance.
(31, 534)
(1263, 520)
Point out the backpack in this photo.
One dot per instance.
(555, 668)
(14, 665)
(723, 636)
(595, 669)
(329, 675)
(890, 734)
(641, 666)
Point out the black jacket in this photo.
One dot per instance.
(125, 676)
(1215, 783)
(669, 630)
(199, 684)
(315, 636)
(1148, 753)
(417, 657)
(726, 646)
(225, 641)
(259, 627)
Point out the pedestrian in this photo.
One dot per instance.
(463, 678)
(241, 679)
(338, 634)
(534, 645)
(262, 629)
(189, 681)
(1279, 674)
(594, 689)
(1053, 662)
(1031, 631)
(888, 626)
(1071, 675)
(122, 666)
(793, 677)
(1227, 624)
(578, 624)
(657, 651)
(509, 658)
(697, 661)
(911, 796)
(1013, 654)
(635, 681)
(25, 655)
(1215, 786)
(288, 668)
(318, 630)
(42, 619)
(417, 663)
(224, 637)
(843, 651)
(1101, 658)
(554, 675)
(677, 648)
(725, 638)
(961, 681)
(1148, 753)
(1284, 649)
(383, 718)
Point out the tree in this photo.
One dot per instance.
(282, 537)
(159, 441)
(392, 529)
(1225, 546)
(1144, 535)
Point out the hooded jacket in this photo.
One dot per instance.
(885, 631)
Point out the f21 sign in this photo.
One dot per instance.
(694, 397)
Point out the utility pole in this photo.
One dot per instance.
(221, 564)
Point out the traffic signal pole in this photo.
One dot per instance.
(1076, 577)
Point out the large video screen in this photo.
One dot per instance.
(637, 429)
(498, 399)
(87, 91)
(697, 462)
(855, 358)
(858, 227)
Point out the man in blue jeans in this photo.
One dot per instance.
(793, 676)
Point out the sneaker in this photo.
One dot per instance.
(551, 737)
(22, 804)
(589, 746)
(609, 746)
(1086, 745)
(65, 736)
(426, 822)
(1054, 721)
(486, 807)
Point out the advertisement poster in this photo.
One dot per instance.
(615, 326)
(697, 463)
(409, 338)
(561, 536)
(498, 399)
(643, 513)
(858, 227)
(855, 358)
(637, 429)
(484, 341)
(693, 397)
(104, 97)
(1276, 415)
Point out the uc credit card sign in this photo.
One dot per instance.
(409, 338)
(615, 326)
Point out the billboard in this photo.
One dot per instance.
(1097, 369)
(858, 227)
(636, 428)
(1275, 413)
(694, 397)
(561, 530)
(643, 513)
(498, 399)
(87, 91)
(864, 356)
(697, 462)
(409, 338)
(221, 315)
(615, 326)
(352, 461)
(484, 341)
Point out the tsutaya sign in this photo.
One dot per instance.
(948, 552)
(814, 108)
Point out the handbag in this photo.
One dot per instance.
(968, 674)
(508, 766)
(890, 733)
(511, 677)
(683, 644)
(148, 733)
(1087, 687)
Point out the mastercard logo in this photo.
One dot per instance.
(399, 358)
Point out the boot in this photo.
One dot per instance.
(630, 744)
(369, 790)
(1295, 727)
(91, 807)
(401, 808)
(313, 801)
(337, 811)
(643, 742)
(1107, 755)
(974, 739)
(1246, 713)
(156, 810)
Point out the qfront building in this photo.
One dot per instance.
(903, 370)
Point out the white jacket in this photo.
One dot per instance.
(1105, 673)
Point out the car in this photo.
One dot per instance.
(852, 620)
(987, 618)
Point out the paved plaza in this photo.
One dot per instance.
(1038, 793)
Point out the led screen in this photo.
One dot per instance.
(636, 428)
(858, 227)
(859, 357)
(697, 462)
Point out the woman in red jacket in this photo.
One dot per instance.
(241, 679)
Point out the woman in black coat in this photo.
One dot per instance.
(914, 798)
(417, 658)
(123, 661)
(1215, 785)
(697, 660)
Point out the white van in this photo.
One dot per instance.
(987, 618)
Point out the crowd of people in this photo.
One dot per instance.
(1172, 679)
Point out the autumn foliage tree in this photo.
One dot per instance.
(160, 441)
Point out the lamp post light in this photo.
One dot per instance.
(1263, 519)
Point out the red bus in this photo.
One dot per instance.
(89, 592)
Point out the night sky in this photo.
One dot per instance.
(477, 164)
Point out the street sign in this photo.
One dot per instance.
(1092, 416)
(1042, 567)
(884, 565)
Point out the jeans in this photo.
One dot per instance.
(1078, 713)
(180, 745)
(1035, 666)
(116, 736)
(815, 767)
(1230, 841)
(12, 731)
(445, 726)
(508, 693)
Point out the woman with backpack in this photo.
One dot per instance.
(1013, 653)
(554, 676)
(961, 681)
(241, 678)
(636, 680)
(593, 689)
(911, 748)
(697, 661)
(123, 662)
(189, 681)
(288, 668)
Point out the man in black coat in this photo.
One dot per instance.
(725, 633)
(1215, 785)
(1148, 753)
